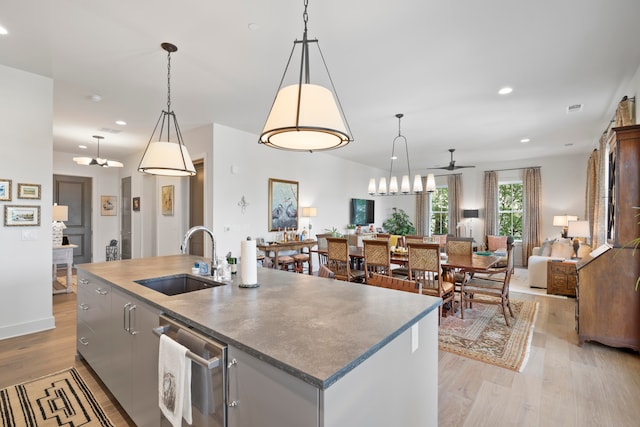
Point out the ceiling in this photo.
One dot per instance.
(440, 63)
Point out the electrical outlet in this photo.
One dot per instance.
(29, 235)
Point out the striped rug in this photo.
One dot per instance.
(60, 399)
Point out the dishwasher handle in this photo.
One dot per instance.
(214, 362)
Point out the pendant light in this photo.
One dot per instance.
(405, 187)
(305, 116)
(164, 157)
(97, 161)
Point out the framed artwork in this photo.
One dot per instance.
(283, 204)
(29, 191)
(21, 216)
(167, 200)
(135, 204)
(108, 205)
(5, 190)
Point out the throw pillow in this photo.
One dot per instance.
(545, 249)
(562, 249)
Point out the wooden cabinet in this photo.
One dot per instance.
(115, 337)
(561, 278)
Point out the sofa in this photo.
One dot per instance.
(551, 249)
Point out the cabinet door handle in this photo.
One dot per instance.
(83, 341)
(124, 317)
(101, 291)
(231, 403)
(132, 331)
(83, 306)
(84, 281)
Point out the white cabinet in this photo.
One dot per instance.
(115, 337)
(262, 395)
(93, 322)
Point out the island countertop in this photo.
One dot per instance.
(316, 329)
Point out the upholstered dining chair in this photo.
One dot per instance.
(489, 291)
(339, 262)
(424, 268)
(384, 281)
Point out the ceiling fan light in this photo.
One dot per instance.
(84, 161)
(168, 159)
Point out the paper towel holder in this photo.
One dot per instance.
(248, 285)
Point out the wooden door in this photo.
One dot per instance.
(75, 192)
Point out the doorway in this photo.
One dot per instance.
(75, 192)
(196, 208)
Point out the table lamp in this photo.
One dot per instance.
(470, 213)
(578, 229)
(563, 221)
(309, 212)
(59, 214)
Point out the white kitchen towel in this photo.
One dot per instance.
(174, 381)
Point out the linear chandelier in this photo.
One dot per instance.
(306, 116)
(97, 161)
(164, 157)
(405, 187)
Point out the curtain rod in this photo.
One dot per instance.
(515, 169)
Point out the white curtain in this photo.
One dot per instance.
(423, 211)
(532, 195)
(454, 184)
(599, 227)
(490, 203)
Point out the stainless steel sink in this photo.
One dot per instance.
(178, 284)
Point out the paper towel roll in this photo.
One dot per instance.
(248, 263)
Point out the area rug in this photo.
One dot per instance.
(60, 399)
(483, 334)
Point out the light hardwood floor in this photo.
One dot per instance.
(562, 384)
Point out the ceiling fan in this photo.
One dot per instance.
(452, 164)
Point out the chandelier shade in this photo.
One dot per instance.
(164, 156)
(405, 180)
(306, 116)
(97, 161)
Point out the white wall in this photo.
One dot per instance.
(25, 252)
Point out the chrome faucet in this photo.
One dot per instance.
(185, 244)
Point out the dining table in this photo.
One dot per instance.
(296, 245)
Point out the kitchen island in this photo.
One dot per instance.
(354, 355)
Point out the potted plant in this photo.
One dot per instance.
(333, 231)
(351, 228)
(399, 223)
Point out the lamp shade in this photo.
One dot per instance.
(562, 220)
(308, 211)
(60, 213)
(305, 117)
(470, 213)
(431, 183)
(167, 158)
(579, 229)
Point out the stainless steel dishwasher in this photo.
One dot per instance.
(208, 373)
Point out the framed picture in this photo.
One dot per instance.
(283, 204)
(29, 191)
(5, 190)
(167, 200)
(21, 216)
(108, 205)
(135, 204)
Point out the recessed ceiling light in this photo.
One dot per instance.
(95, 98)
(253, 26)
(84, 147)
(505, 90)
(525, 140)
(3, 31)
(121, 122)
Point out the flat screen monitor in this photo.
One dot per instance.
(362, 212)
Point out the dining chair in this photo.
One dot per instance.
(324, 271)
(377, 259)
(489, 291)
(459, 246)
(339, 262)
(396, 283)
(424, 268)
(414, 238)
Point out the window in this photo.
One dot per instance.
(440, 211)
(510, 205)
